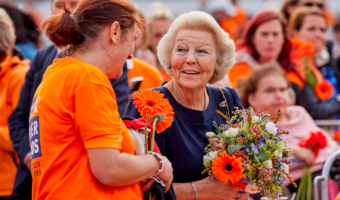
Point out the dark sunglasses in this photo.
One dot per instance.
(320, 5)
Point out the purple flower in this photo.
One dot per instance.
(254, 148)
(213, 177)
(243, 134)
(246, 149)
(246, 181)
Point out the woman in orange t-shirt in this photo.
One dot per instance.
(265, 41)
(81, 149)
(12, 76)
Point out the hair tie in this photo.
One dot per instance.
(77, 16)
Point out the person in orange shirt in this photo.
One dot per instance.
(81, 148)
(230, 16)
(138, 68)
(158, 21)
(12, 76)
(265, 41)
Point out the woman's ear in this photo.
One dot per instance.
(115, 32)
(251, 99)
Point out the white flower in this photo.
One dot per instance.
(270, 126)
(282, 145)
(208, 158)
(206, 161)
(252, 189)
(231, 132)
(254, 119)
(212, 155)
(268, 164)
(285, 167)
(278, 153)
(210, 134)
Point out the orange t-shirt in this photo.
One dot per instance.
(235, 25)
(12, 76)
(75, 109)
(151, 76)
(243, 71)
(166, 76)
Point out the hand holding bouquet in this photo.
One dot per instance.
(315, 142)
(249, 152)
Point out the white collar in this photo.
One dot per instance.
(129, 64)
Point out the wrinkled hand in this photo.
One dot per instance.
(215, 190)
(166, 175)
(27, 160)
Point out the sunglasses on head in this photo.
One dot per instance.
(320, 5)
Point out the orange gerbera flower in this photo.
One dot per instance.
(324, 90)
(301, 48)
(168, 118)
(227, 168)
(150, 102)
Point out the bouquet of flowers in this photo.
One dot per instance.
(304, 52)
(248, 151)
(315, 142)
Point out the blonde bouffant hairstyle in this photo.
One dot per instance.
(7, 34)
(200, 21)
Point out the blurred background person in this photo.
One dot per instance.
(138, 68)
(265, 41)
(158, 21)
(336, 49)
(26, 30)
(267, 88)
(33, 10)
(230, 16)
(289, 6)
(12, 76)
(309, 24)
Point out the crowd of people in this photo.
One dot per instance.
(61, 107)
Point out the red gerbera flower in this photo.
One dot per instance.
(315, 142)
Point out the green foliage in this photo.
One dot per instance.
(262, 155)
(233, 147)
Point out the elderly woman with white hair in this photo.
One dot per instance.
(195, 51)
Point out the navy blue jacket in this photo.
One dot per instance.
(18, 121)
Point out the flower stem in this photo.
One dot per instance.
(153, 134)
(146, 134)
(301, 185)
(305, 174)
(309, 184)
